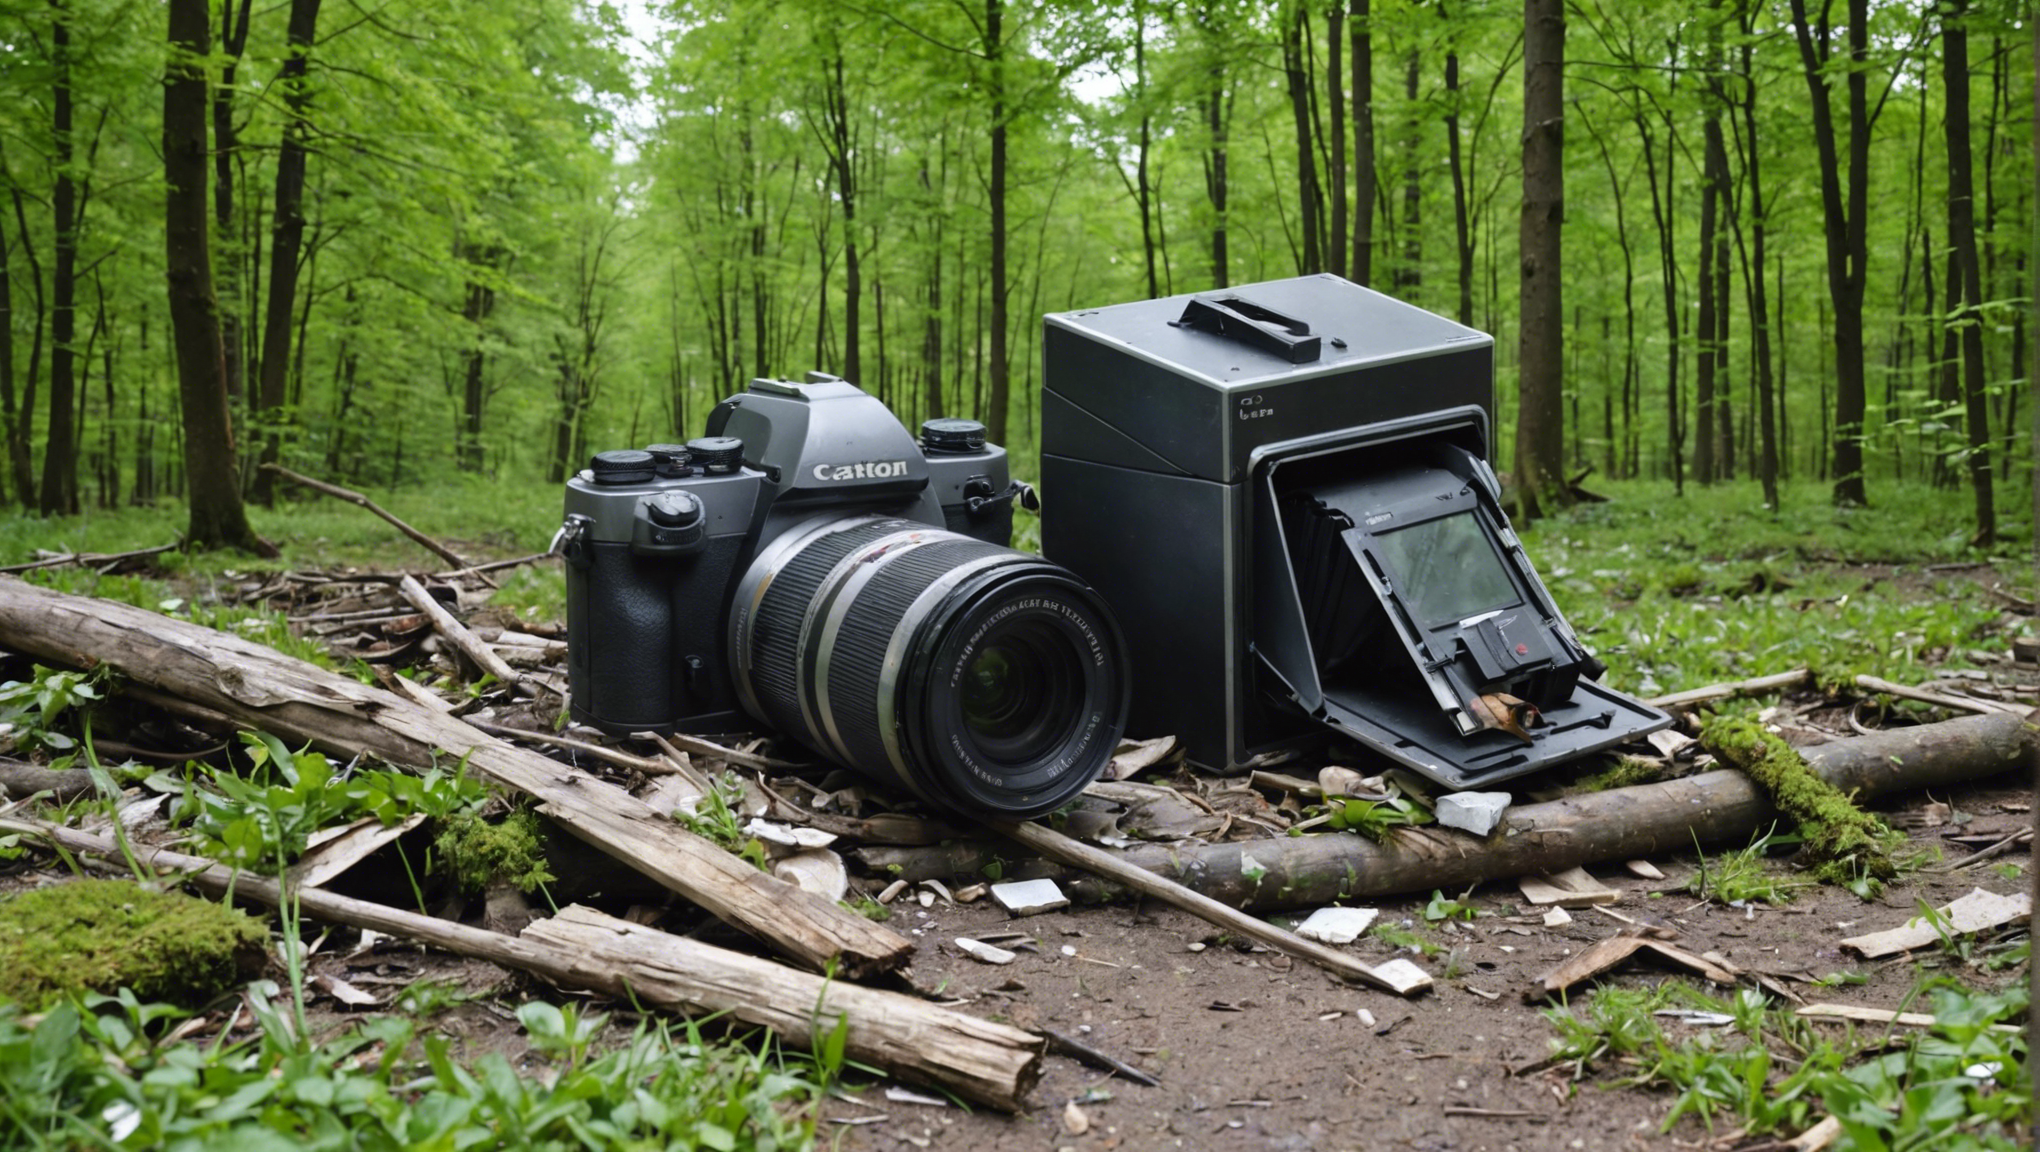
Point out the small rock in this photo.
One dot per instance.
(1337, 925)
(1027, 897)
(1475, 812)
(1069, 949)
(1365, 1018)
(1074, 1121)
(1557, 918)
(1195, 946)
(988, 953)
(970, 894)
(1644, 868)
(926, 898)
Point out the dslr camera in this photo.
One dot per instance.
(810, 565)
(1284, 492)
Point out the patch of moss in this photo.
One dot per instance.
(1627, 771)
(475, 852)
(102, 935)
(1843, 843)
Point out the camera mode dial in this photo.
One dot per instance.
(671, 460)
(717, 455)
(622, 466)
(950, 435)
(669, 523)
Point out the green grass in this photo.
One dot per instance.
(1678, 592)
(1957, 1085)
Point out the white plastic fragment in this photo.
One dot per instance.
(1337, 925)
(1028, 897)
(1557, 918)
(1475, 812)
(989, 953)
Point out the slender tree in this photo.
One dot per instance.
(1967, 279)
(217, 516)
(1360, 27)
(286, 243)
(1540, 413)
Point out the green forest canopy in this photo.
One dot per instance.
(530, 230)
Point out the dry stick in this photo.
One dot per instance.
(1618, 824)
(1732, 688)
(621, 759)
(987, 1062)
(243, 684)
(678, 741)
(470, 645)
(90, 558)
(1084, 1053)
(353, 497)
(1077, 854)
(494, 566)
(1959, 703)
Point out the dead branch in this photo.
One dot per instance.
(980, 1060)
(1942, 699)
(19, 779)
(213, 673)
(644, 764)
(1398, 976)
(456, 633)
(1618, 824)
(91, 559)
(353, 497)
(1733, 688)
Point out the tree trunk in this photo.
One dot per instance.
(1217, 118)
(841, 149)
(1001, 383)
(1143, 191)
(1713, 181)
(1409, 270)
(287, 229)
(1844, 214)
(1335, 27)
(59, 495)
(1753, 273)
(477, 303)
(21, 449)
(1540, 415)
(1461, 226)
(1360, 24)
(10, 416)
(217, 517)
(1296, 68)
(1962, 242)
(226, 153)
(1662, 213)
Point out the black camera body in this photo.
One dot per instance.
(808, 563)
(1284, 492)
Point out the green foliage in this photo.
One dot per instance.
(104, 935)
(1399, 936)
(717, 820)
(30, 709)
(476, 852)
(1744, 876)
(1845, 844)
(1441, 907)
(1961, 1085)
(92, 1074)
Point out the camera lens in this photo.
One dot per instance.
(989, 681)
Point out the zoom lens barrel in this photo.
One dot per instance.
(989, 681)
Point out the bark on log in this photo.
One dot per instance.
(1618, 824)
(977, 1059)
(261, 688)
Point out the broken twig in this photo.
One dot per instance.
(353, 497)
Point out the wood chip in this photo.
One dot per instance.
(1557, 918)
(327, 860)
(1611, 953)
(1879, 1016)
(1137, 756)
(987, 953)
(1572, 888)
(1972, 913)
(1644, 869)
(1074, 1120)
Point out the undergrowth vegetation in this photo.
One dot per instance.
(1747, 1063)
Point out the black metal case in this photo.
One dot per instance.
(1164, 423)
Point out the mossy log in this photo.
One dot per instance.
(1618, 824)
(258, 687)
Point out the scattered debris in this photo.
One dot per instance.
(1365, 1018)
(326, 858)
(1084, 1053)
(1572, 888)
(900, 1095)
(1074, 1120)
(817, 870)
(1643, 869)
(785, 839)
(1337, 925)
(1557, 918)
(1475, 812)
(345, 993)
(1028, 897)
(891, 891)
(1696, 1017)
(1136, 756)
(971, 893)
(1669, 742)
(1879, 1016)
(1970, 914)
(988, 953)
(1612, 952)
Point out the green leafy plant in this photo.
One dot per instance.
(30, 709)
(1745, 875)
(1442, 907)
(717, 819)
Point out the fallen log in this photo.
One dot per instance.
(230, 678)
(980, 1060)
(1618, 824)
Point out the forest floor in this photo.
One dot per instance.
(1254, 1050)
